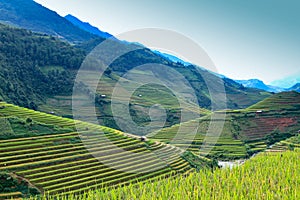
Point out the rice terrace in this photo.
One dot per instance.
(144, 114)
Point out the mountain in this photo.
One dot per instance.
(296, 88)
(256, 83)
(179, 60)
(32, 16)
(287, 82)
(172, 58)
(38, 71)
(87, 27)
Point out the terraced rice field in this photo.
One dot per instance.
(95, 157)
(224, 147)
(280, 101)
(292, 143)
(245, 131)
(265, 176)
(11, 195)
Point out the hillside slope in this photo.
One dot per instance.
(56, 158)
(280, 101)
(34, 66)
(245, 131)
(240, 182)
(38, 71)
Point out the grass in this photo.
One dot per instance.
(275, 174)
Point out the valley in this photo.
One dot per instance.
(87, 115)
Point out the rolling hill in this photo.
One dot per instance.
(56, 155)
(245, 131)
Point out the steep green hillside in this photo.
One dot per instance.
(67, 160)
(246, 131)
(38, 72)
(33, 67)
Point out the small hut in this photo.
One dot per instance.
(143, 138)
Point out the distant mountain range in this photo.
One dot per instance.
(87, 27)
(172, 58)
(287, 82)
(295, 88)
(256, 83)
(185, 63)
(251, 83)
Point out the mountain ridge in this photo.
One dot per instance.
(87, 27)
(35, 17)
(256, 83)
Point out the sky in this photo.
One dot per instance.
(245, 39)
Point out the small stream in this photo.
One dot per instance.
(230, 164)
(233, 163)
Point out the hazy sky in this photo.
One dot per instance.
(246, 39)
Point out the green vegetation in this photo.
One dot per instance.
(245, 132)
(292, 143)
(13, 127)
(47, 155)
(12, 186)
(38, 72)
(92, 157)
(24, 79)
(227, 147)
(275, 174)
(287, 101)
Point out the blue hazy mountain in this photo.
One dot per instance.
(185, 63)
(287, 82)
(172, 58)
(296, 88)
(256, 83)
(87, 26)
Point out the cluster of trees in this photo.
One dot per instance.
(24, 55)
(10, 184)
